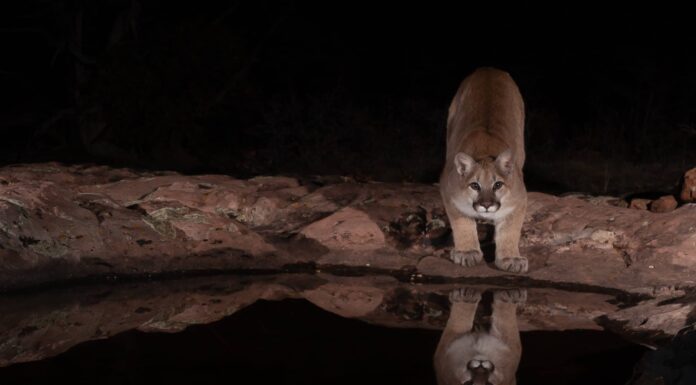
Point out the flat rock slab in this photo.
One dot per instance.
(61, 223)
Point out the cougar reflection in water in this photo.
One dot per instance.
(481, 342)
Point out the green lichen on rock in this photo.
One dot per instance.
(160, 220)
(49, 248)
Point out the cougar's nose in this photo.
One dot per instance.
(480, 371)
(486, 206)
(480, 365)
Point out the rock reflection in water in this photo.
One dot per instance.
(481, 322)
(480, 344)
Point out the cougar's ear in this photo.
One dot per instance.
(504, 162)
(464, 163)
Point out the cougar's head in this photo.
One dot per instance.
(484, 186)
(483, 360)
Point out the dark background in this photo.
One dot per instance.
(344, 87)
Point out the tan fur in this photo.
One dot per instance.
(460, 343)
(485, 145)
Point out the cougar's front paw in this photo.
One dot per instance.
(512, 264)
(466, 258)
(512, 295)
(465, 294)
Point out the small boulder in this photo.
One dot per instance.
(640, 204)
(688, 192)
(664, 204)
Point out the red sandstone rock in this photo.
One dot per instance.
(688, 192)
(640, 204)
(65, 222)
(664, 204)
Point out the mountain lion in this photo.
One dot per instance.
(481, 341)
(482, 177)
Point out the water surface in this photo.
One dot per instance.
(301, 329)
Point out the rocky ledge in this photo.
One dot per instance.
(60, 223)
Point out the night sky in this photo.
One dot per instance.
(350, 88)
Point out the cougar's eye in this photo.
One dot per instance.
(475, 186)
(497, 185)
